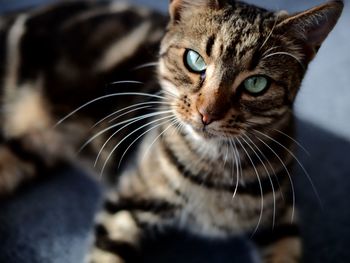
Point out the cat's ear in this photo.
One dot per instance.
(313, 25)
(176, 7)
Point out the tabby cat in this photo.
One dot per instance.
(216, 158)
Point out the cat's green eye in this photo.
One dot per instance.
(194, 62)
(256, 84)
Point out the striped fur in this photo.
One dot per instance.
(220, 166)
(214, 159)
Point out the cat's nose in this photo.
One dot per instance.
(212, 106)
(207, 118)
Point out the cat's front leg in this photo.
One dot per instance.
(286, 250)
(122, 224)
(282, 244)
(116, 238)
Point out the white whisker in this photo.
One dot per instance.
(139, 137)
(126, 137)
(147, 65)
(287, 171)
(150, 103)
(286, 135)
(171, 94)
(106, 97)
(129, 111)
(234, 148)
(269, 50)
(129, 122)
(270, 34)
(297, 160)
(295, 141)
(269, 163)
(226, 156)
(160, 134)
(260, 185)
(126, 82)
(121, 110)
(268, 175)
(239, 162)
(286, 54)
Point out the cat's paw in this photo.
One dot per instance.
(285, 251)
(281, 258)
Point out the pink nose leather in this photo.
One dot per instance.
(206, 119)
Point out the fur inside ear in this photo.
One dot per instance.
(313, 25)
(177, 6)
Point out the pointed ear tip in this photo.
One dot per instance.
(333, 8)
(337, 4)
(336, 7)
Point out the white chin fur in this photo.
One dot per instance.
(203, 145)
(193, 133)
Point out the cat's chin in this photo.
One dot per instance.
(205, 133)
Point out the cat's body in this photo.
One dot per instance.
(54, 60)
(216, 159)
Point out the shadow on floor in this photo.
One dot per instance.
(326, 226)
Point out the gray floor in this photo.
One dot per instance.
(49, 221)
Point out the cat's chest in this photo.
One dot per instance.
(210, 206)
(222, 214)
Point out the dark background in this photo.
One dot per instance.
(49, 221)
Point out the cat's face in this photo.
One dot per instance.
(232, 66)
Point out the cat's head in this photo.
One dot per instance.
(230, 66)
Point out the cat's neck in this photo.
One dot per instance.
(221, 161)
